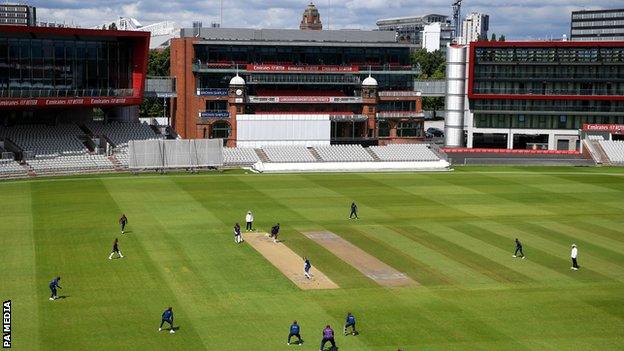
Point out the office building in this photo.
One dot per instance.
(411, 29)
(474, 27)
(597, 25)
(532, 95)
(18, 15)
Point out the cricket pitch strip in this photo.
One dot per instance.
(288, 262)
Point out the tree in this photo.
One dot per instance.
(103, 27)
(112, 26)
(432, 64)
(502, 37)
(482, 37)
(493, 37)
(157, 66)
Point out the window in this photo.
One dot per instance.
(220, 130)
(216, 105)
(383, 129)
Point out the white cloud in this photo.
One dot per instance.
(521, 19)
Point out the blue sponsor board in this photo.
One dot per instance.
(214, 114)
(212, 92)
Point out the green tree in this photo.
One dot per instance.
(493, 37)
(432, 64)
(157, 66)
(112, 26)
(502, 37)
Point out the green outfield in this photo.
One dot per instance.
(450, 232)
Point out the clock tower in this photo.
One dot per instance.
(237, 95)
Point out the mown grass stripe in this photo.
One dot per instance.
(19, 271)
(430, 262)
(467, 252)
(614, 248)
(590, 260)
(74, 241)
(549, 255)
(506, 244)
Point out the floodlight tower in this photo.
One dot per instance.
(457, 17)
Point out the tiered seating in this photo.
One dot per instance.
(614, 150)
(288, 154)
(10, 168)
(404, 152)
(122, 156)
(343, 153)
(239, 156)
(120, 133)
(61, 139)
(73, 163)
(595, 137)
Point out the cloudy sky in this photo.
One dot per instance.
(517, 19)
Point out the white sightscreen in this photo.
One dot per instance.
(297, 129)
(177, 153)
(207, 152)
(145, 154)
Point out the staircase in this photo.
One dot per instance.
(596, 152)
(118, 166)
(262, 155)
(29, 170)
(373, 155)
(315, 154)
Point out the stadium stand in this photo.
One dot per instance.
(56, 140)
(10, 168)
(343, 153)
(595, 137)
(120, 133)
(71, 163)
(404, 152)
(288, 154)
(614, 150)
(122, 156)
(239, 156)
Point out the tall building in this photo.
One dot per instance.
(18, 15)
(431, 37)
(311, 19)
(474, 26)
(161, 33)
(597, 25)
(359, 82)
(532, 95)
(410, 29)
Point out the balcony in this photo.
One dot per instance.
(304, 99)
(285, 68)
(64, 93)
(550, 92)
(303, 79)
(524, 76)
(399, 114)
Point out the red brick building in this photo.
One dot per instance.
(362, 79)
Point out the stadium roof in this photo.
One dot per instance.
(289, 35)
